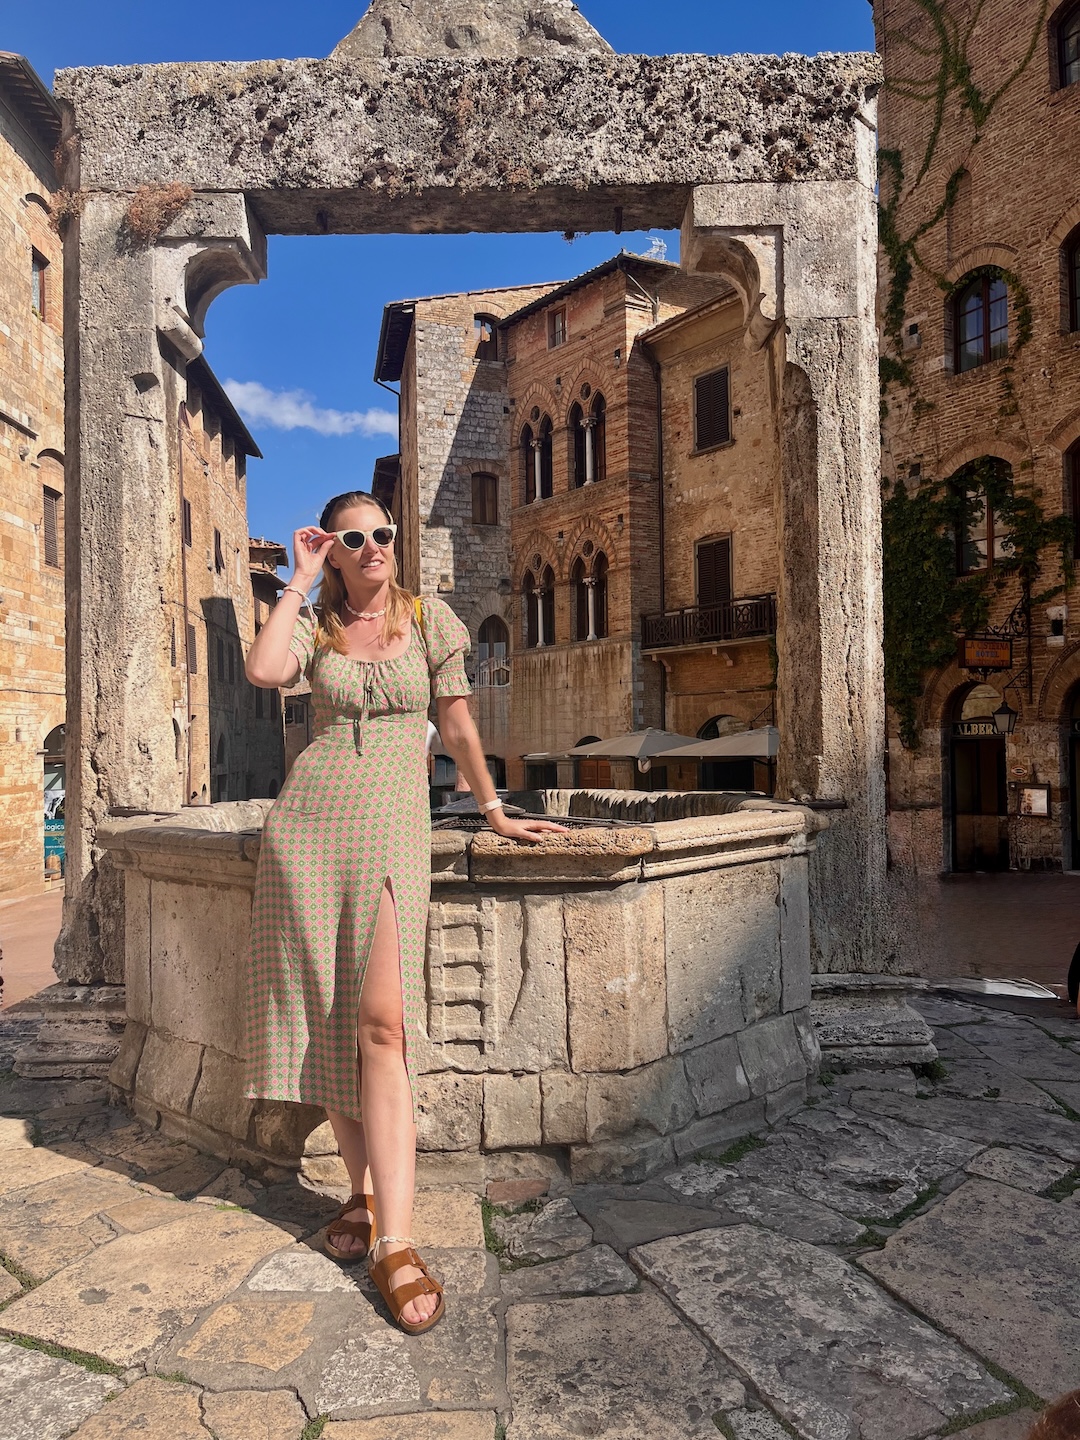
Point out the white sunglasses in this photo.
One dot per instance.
(383, 536)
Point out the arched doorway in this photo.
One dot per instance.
(594, 774)
(735, 774)
(54, 789)
(977, 788)
(1072, 742)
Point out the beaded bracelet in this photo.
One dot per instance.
(295, 591)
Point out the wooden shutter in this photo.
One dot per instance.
(192, 651)
(187, 522)
(712, 411)
(714, 571)
(51, 526)
(485, 499)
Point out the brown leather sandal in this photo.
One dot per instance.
(382, 1271)
(358, 1229)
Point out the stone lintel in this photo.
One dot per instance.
(451, 144)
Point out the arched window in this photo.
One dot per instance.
(720, 725)
(1072, 277)
(530, 616)
(600, 596)
(547, 605)
(486, 336)
(576, 425)
(547, 473)
(1068, 46)
(579, 590)
(599, 437)
(981, 537)
(981, 322)
(493, 668)
(528, 465)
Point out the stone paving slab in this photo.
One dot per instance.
(826, 1348)
(971, 1074)
(43, 1398)
(254, 1415)
(865, 1166)
(150, 1410)
(985, 1122)
(9, 1286)
(1022, 1169)
(595, 1271)
(45, 1227)
(626, 1223)
(1024, 1049)
(554, 1231)
(447, 1425)
(1063, 1090)
(131, 1296)
(617, 1368)
(1000, 1269)
(22, 1167)
(1016, 1426)
(768, 1205)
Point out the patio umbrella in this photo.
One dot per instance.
(638, 745)
(760, 744)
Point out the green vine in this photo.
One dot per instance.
(927, 602)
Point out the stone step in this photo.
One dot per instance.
(70, 1049)
(84, 1001)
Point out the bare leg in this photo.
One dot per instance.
(352, 1143)
(386, 1100)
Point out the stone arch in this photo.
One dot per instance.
(33, 198)
(537, 544)
(945, 681)
(50, 454)
(1060, 680)
(587, 373)
(1003, 256)
(1064, 227)
(1066, 432)
(491, 602)
(539, 397)
(598, 533)
(1014, 452)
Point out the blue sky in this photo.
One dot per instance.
(302, 344)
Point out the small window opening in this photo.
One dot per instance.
(38, 267)
(485, 499)
(557, 327)
(51, 526)
(712, 409)
(486, 336)
(219, 558)
(186, 522)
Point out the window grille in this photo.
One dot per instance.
(712, 409)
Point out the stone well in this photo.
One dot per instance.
(603, 1002)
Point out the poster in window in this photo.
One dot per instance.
(1035, 800)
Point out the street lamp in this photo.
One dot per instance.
(1005, 718)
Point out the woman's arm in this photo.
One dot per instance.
(270, 663)
(459, 735)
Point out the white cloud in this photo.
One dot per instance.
(296, 410)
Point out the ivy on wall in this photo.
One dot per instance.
(926, 601)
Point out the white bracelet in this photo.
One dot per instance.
(295, 591)
(491, 805)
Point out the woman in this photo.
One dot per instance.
(341, 896)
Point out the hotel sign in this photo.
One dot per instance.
(975, 729)
(986, 652)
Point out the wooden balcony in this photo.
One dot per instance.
(751, 618)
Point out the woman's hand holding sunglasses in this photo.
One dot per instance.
(311, 546)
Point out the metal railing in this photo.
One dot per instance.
(745, 619)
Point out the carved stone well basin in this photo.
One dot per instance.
(601, 1003)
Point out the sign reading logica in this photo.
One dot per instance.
(986, 652)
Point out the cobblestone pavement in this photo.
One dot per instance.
(901, 1258)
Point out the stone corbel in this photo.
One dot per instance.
(751, 259)
(214, 243)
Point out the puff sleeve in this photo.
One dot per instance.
(448, 643)
(302, 644)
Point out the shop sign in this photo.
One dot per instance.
(975, 729)
(986, 652)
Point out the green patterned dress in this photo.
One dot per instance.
(352, 815)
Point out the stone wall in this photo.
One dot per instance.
(605, 1001)
(31, 459)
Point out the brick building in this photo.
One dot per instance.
(980, 306)
(450, 488)
(534, 422)
(31, 482)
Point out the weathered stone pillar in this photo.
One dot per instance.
(803, 257)
(133, 318)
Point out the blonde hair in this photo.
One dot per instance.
(329, 630)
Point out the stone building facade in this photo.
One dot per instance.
(982, 349)
(451, 491)
(32, 561)
(229, 738)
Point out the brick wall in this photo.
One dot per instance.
(31, 458)
(1018, 199)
